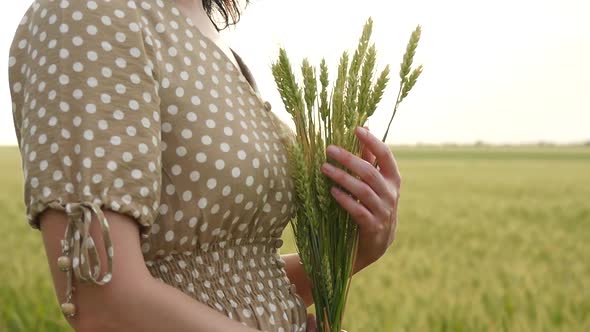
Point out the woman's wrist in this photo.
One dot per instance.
(297, 275)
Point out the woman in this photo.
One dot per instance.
(144, 140)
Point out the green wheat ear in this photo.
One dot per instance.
(407, 82)
(410, 52)
(411, 82)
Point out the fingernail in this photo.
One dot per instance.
(363, 131)
(333, 150)
(327, 168)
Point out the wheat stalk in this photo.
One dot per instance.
(325, 235)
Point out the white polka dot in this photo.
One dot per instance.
(178, 215)
(176, 169)
(120, 37)
(187, 133)
(127, 157)
(135, 52)
(195, 100)
(247, 313)
(170, 189)
(224, 147)
(99, 152)
(169, 236)
(118, 115)
(255, 163)
(96, 178)
(88, 134)
(103, 124)
(191, 116)
(242, 154)
(136, 174)
(143, 148)
(181, 151)
(201, 157)
(239, 198)
(195, 175)
(118, 183)
(87, 162)
(116, 140)
(235, 172)
(249, 180)
(202, 202)
(226, 190)
(215, 209)
(206, 140)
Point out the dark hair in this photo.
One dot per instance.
(230, 11)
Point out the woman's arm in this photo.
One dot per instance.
(299, 277)
(133, 300)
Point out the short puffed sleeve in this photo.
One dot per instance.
(86, 112)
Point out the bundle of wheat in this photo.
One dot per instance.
(325, 235)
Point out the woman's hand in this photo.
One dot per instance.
(377, 189)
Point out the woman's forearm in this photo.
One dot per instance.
(299, 277)
(151, 305)
(133, 300)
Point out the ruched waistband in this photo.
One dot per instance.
(228, 272)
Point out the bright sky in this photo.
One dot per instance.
(504, 71)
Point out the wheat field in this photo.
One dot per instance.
(489, 239)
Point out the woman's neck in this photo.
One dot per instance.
(196, 12)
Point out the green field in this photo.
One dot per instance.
(489, 239)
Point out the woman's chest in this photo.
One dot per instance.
(223, 159)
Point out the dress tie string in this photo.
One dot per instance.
(79, 250)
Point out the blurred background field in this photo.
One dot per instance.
(489, 239)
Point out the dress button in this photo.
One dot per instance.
(64, 263)
(268, 106)
(279, 243)
(68, 309)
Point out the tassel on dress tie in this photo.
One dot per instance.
(78, 249)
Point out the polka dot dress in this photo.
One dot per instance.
(127, 106)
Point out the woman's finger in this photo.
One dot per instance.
(357, 211)
(365, 171)
(356, 187)
(385, 158)
(366, 152)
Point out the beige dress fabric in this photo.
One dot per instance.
(127, 106)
